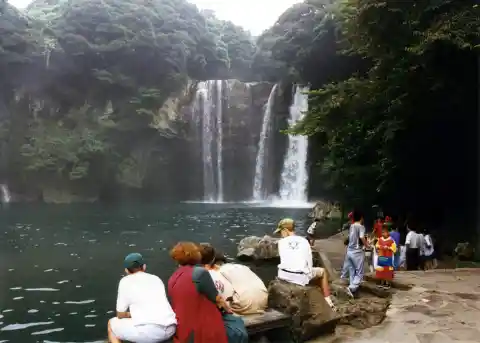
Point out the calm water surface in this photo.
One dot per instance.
(60, 265)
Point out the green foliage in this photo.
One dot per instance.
(375, 128)
(105, 73)
(303, 46)
(60, 148)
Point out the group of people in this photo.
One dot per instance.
(201, 303)
(206, 296)
(388, 254)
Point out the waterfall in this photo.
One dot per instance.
(258, 186)
(6, 198)
(208, 102)
(294, 177)
(219, 112)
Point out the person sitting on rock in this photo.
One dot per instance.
(296, 260)
(144, 314)
(247, 292)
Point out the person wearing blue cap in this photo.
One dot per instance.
(144, 314)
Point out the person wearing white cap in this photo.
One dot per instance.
(296, 260)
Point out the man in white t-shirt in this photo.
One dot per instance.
(296, 260)
(144, 314)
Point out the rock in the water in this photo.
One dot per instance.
(325, 210)
(258, 248)
(311, 315)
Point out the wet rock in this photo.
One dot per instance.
(364, 312)
(311, 315)
(464, 251)
(324, 210)
(257, 248)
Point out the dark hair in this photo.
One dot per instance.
(186, 253)
(220, 257)
(135, 268)
(208, 254)
(357, 216)
(316, 219)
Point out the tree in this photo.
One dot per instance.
(389, 135)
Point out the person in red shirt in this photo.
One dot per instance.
(386, 249)
(195, 300)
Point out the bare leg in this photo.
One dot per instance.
(111, 336)
(322, 283)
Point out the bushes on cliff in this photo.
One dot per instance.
(69, 67)
(400, 133)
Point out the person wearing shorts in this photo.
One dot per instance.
(296, 260)
(144, 314)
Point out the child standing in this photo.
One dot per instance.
(311, 232)
(386, 249)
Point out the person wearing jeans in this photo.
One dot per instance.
(396, 238)
(355, 254)
(346, 226)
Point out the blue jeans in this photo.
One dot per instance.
(355, 261)
(344, 273)
(396, 260)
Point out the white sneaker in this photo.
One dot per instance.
(349, 292)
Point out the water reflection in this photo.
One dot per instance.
(64, 262)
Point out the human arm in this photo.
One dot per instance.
(408, 239)
(309, 257)
(393, 247)
(122, 301)
(204, 285)
(428, 241)
(362, 236)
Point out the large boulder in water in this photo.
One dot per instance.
(311, 315)
(257, 248)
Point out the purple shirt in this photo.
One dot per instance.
(396, 237)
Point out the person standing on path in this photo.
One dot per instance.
(312, 231)
(386, 248)
(144, 314)
(413, 244)
(296, 261)
(395, 234)
(346, 227)
(355, 252)
(428, 251)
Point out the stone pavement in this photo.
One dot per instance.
(442, 307)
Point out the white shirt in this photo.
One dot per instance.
(414, 240)
(243, 279)
(143, 294)
(295, 256)
(428, 242)
(311, 228)
(223, 286)
(355, 233)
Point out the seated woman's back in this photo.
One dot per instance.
(251, 294)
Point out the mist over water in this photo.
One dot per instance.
(60, 265)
